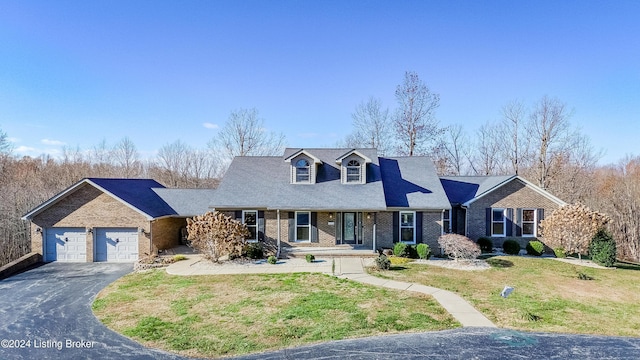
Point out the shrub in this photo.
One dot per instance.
(560, 252)
(272, 259)
(310, 258)
(535, 247)
(253, 251)
(603, 248)
(511, 247)
(383, 262)
(458, 247)
(215, 235)
(423, 250)
(486, 245)
(400, 249)
(179, 257)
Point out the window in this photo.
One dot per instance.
(408, 226)
(353, 171)
(303, 226)
(497, 222)
(528, 222)
(250, 219)
(446, 221)
(302, 171)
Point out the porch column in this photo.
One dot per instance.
(278, 233)
(375, 218)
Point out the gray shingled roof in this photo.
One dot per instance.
(263, 183)
(461, 189)
(187, 202)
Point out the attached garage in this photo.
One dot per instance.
(65, 244)
(116, 244)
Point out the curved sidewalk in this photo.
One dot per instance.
(351, 268)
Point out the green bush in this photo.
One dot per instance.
(400, 249)
(383, 262)
(253, 251)
(310, 258)
(511, 247)
(560, 252)
(179, 257)
(535, 247)
(602, 248)
(423, 250)
(272, 259)
(486, 245)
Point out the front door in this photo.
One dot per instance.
(349, 233)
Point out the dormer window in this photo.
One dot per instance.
(353, 171)
(302, 171)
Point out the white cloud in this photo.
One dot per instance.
(13, 140)
(52, 142)
(209, 125)
(25, 150)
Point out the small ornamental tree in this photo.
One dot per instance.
(216, 235)
(571, 227)
(458, 247)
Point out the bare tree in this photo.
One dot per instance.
(372, 127)
(244, 134)
(174, 160)
(455, 151)
(127, 158)
(549, 129)
(416, 127)
(486, 159)
(513, 118)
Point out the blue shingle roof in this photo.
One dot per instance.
(138, 193)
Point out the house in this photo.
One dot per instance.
(112, 220)
(314, 197)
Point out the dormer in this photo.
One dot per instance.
(353, 167)
(304, 167)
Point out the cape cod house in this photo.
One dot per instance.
(306, 197)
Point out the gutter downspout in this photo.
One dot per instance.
(278, 235)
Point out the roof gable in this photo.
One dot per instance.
(137, 194)
(349, 153)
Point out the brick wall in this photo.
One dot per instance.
(432, 229)
(89, 207)
(512, 195)
(166, 232)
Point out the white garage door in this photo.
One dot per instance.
(116, 244)
(65, 244)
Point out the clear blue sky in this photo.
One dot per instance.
(77, 72)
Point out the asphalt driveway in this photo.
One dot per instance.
(47, 311)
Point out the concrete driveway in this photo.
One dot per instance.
(47, 310)
(45, 313)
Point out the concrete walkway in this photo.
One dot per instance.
(351, 268)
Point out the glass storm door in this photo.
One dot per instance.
(349, 228)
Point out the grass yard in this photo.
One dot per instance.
(549, 295)
(238, 314)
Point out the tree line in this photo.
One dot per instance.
(536, 141)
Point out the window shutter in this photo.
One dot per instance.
(238, 215)
(509, 222)
(540, 215)
(260, 225)
(396, 226)
(338, 225)
(314, 227)
(292, 226)
(519, 222)
(418, 227)
(487, 222)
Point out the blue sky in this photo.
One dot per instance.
(76, 72)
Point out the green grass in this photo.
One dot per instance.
(230, 315)
(549, 295)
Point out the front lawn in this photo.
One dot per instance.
(237, 314)
(549, 295)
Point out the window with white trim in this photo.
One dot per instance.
(408, 226)
(529, 222)
(498, 222)
(303, 226)
(302, 171)
(250, 220)
(353, 171)
(446, 221)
